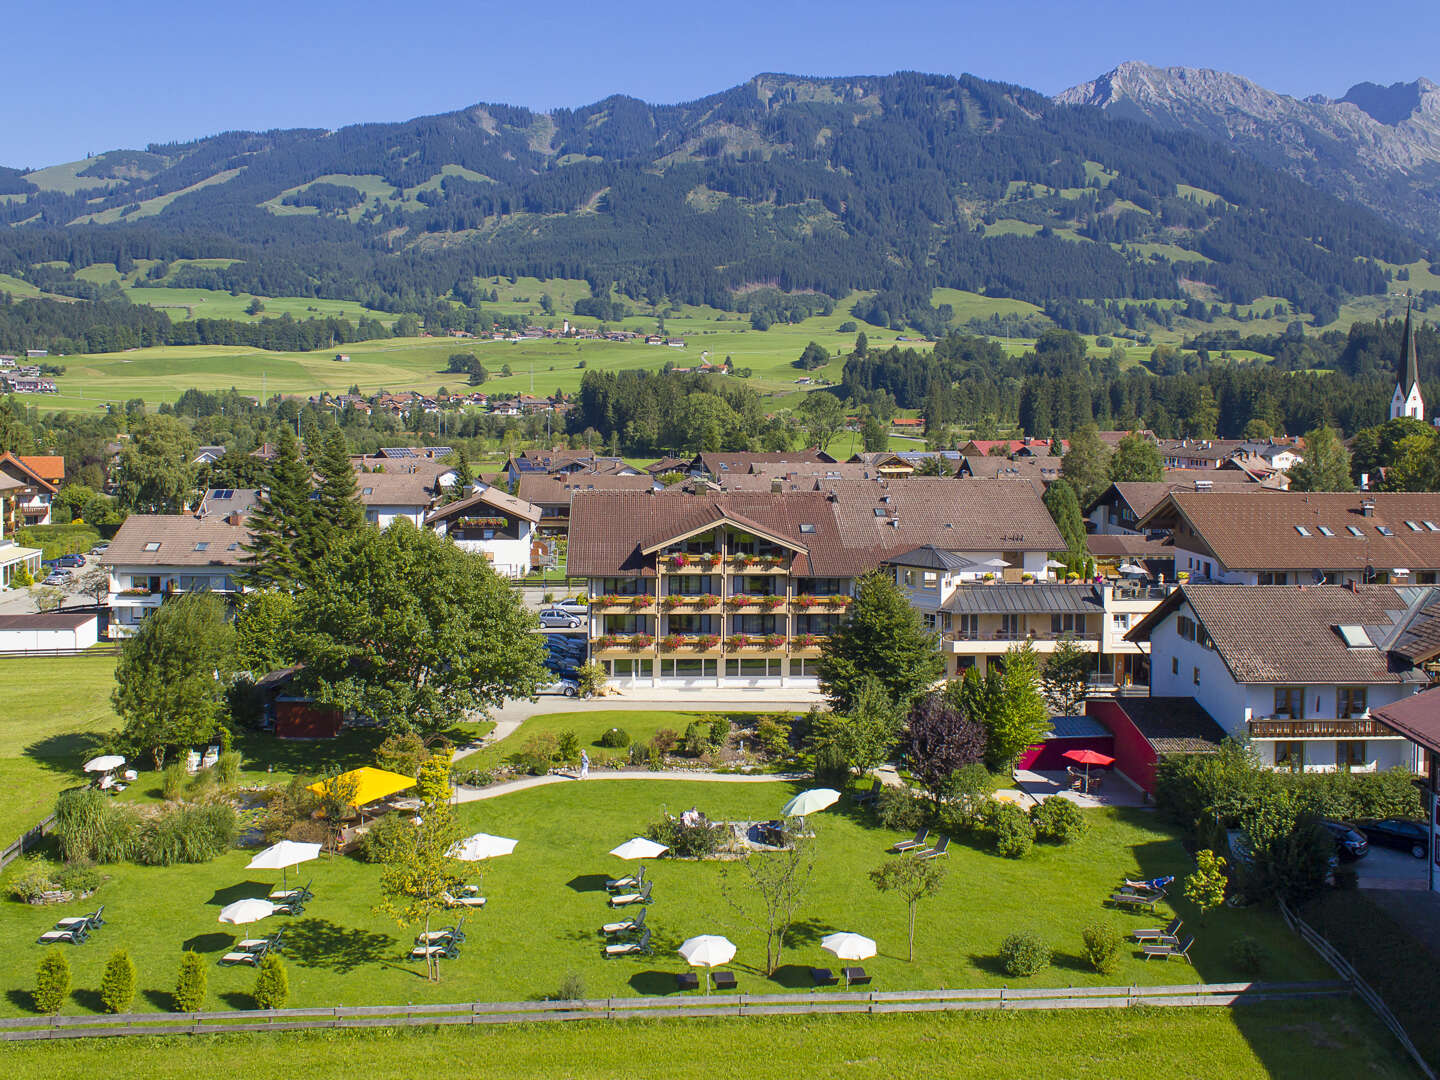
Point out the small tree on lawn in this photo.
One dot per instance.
(170, 681)
(411, 883)
(860, 740)
(190, 985)
(272, 985)
(884, 638)
(1063, 677)
(1008, 703)
(432, 782)
(1205, 886)
(117, 982)
(939, 740)
(914, 880)
(766, 889)
(52, 981)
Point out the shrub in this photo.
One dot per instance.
(697, 738)
(272, 986)
(190, 984)
(1247, 954)
(685, 841)
(567, 747)
(1058, 820)
(37, 877)
(52, 981)
(80, 878)
(965, 794)
(388, 837)
(615, 737)
(572, 986)
(90, 826)
(1010, 830)
(117, 982)
(591, 678)
(772, 735)
(474, 777)
(401, 752)
(538, 754)
(640, 753)
(1102, 944)
(719, 731)
(172, 781)
(1024, 954)
(186, 834)
(902, 810)
(665, 740)
(227, 769)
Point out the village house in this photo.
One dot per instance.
(1296, 670)
(37, 480)
(493, 524)
(1119, 508)
(13, 557)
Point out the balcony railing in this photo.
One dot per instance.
(685, 562)
(1320, 729)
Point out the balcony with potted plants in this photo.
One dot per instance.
(690, 562)
(690, 645)
(690, 603)
(755, 645)
(616, 604)
(610, 646)
(763, 562)
(767, 602)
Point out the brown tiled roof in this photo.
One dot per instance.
(1287, 633)
(716, 464)
(1418, 640)
(51, 467)
(550, 489)
(1128, 546)
(1416, 717)
(1257, 529)
(17, 468)
(493, 497)
(177, 536)
(609, 530)
(1143, 496)
(1173, 725)
(52, 621)
(238, 500)
(396, 488)
(1036, 469)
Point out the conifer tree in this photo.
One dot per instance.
(284, 516)
(337, 508)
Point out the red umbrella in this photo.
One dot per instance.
(1088, 758)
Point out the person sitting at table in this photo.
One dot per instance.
(691, 818)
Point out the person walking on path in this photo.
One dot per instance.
(584, 765)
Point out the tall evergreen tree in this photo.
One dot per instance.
(1326, 466)
(1065, 509)
(337, 509)
(281, 523)
(1087, 463)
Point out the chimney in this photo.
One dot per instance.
(1367, 507)
(234, 518)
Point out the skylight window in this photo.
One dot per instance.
(368, 491)
(1384, 530)
(1354, 636)
(807, 528)
(1325, 530)
(233, 547)
(1414, 526)
(153, 545)
(1302, 530)
(203, 545)
(1432, 526)
(879, 511)
(1353, 530)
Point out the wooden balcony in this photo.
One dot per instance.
(751, 564)
(690, 605)
(685, 563)
(1286, 728)
(623, 605)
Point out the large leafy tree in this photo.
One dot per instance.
(939, 740)
(1416, 466)
(1009, 705)
(1064, 508)
(1063, 677)
(281, 528)
(822, 415)
(170, 681)
(405, 627)
(1087, 463)
(861, 740)
(157, 474)
(884, 638)
(1136, 458)
(265, 631)
(1326, 466)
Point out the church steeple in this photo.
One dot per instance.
(1407, 399)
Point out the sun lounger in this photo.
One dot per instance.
(300, 895)
(687, 980)
(640, 945)
(439, 937)
(75, 936)
(212, 755)
(1136, 900)
(910, 845)
(628, 883)
(250, 950)
(823, 976)
(855, 976)
(1160, 936)
(131, 775)
(446, 951)
(1169, 951)
(629, 926)
(723, 980)
(1156, 885)
(624, 899)
(90, 922)
(462, 901)
(940, 849)
(290, 907)
(863, 797)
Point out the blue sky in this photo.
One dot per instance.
(92, 75)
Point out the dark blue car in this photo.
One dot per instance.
(1401, 833)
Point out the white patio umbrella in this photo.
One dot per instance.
(810, 802)
(848, 946)
(1130, 569)
(1054, 564)
(246, 911)
(104, 763)
(282, 856)
(997, 564)
(481, 846)
(639, 848)
(707, 951)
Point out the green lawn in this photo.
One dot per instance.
(1333, 1038)
(546, 903)
(639, 724)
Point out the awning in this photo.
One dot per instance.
(370, 784)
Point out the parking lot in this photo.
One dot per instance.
(1386, 868)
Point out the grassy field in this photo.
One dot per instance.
(547, 901)
(640, 724)
(1335, 1038)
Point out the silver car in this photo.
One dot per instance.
(555, 617)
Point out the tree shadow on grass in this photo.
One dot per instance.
(1066, 962)
(163, 1000)
(794, 977)
(238, 999)
(208, 943)
(806, 932)
(21, 999)
(320, 943)
(588, 883)
(244, 890)
(87, 999)
(654, 982)
(65, 753)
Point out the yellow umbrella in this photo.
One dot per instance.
(370, 784)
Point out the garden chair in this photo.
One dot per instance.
(624, 899)
(855, 976)
(301, 895)
(823, 976)
(447, 950)
(628, 883)
(1170, 951)
(250, 950)
(453, 901)
(290, 907)
(1136, 900)
(75, 936)
(1160, 936)
(723, 980)
(687, 980)
(938, 851)
(440, 937)
(640, 945)
(629, 926)
(863, 797)
(89, 922)
(909, 845)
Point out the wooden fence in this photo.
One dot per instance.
(714, 1005)
(1362, 989)
(26, 842)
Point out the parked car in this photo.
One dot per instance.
(57, 578)
(574, 607)
(100, 548)
(554, 616)
(558, 643)
(568, 687)
(1399, 833)
(70, 560)
(1350, 842)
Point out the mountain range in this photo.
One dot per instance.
(1103, 207)
(1378, 146)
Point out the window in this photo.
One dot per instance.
(1122, 622)
(1384, 530)
(1195, 678)
(1009, 627)
(968, 628)
(1290, 702)
(1325, 530)
(202, 545)
(1430, 525)
(1272, 577)
(807, 528)
(153, 545)
(1413, 526)
(928, 619)
(367, 491)
(1350, 702)
(907, 578)
(1067, 624)
(1353, 530)
(1174, 665)
(1185, 627)
(1302, 530)
(1290, 755)
(930, 580)
(1351, 754)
